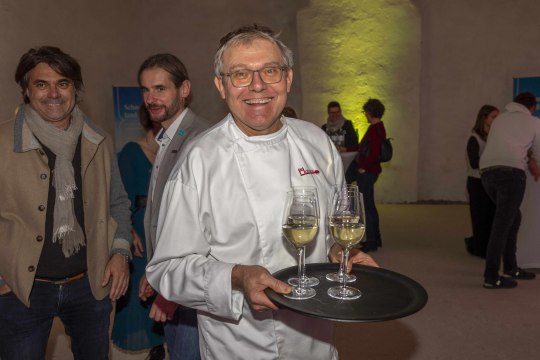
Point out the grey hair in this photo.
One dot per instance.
(246, 35)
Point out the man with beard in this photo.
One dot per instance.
(64, 216)
(166, 89)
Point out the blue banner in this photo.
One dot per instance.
(530, 84)
(127, 100)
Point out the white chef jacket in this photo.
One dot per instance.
(223, 206)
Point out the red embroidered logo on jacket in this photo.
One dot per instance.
(303, 172)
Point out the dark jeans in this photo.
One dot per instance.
(182, 335)
(24, 332)
(506, 187)
(482, 211)
(366, 185)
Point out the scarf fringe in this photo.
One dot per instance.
(68, 193)
(70, 244)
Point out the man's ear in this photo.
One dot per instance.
(288, 79)
(185, 89)
(220, 87)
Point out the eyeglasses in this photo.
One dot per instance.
(244, 77)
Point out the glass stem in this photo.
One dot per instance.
(341, 272)
(344, 265)
(300, 265)
(303, 277)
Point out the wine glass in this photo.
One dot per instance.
(300, 226)
(347, 223)
(340, 274)
(309, 281)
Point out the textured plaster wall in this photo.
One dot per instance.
(432, 62)
(111, 39)
(471, 50)
(351, 50)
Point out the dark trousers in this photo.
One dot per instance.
(506, 188)
(366, 185)
(24, 332)
(482, 211)
(182, 335)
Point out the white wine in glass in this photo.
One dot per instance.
(309, 281)
(347, 226)
(300, 227)
(347, 230)
(341, 273)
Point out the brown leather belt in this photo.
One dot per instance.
(63, 281)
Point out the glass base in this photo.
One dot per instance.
(301, 293)
(336, 278)
(307, 281)
(344, 292)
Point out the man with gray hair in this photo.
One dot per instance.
(219, 232)
(64, 216)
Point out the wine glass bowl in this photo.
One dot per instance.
(347, 227)
(300, 227)
(339, 275)
(307, 281)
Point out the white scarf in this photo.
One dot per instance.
(332, 126)
(62, 143)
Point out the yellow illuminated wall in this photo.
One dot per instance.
(351, 50)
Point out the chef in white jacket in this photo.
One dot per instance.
(219, 232)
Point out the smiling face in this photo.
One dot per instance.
(163, 100)
(256, 108)
(51, 95)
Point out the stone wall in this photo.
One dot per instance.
(432, 62)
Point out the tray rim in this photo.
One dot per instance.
(419, 292)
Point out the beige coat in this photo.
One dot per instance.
(24, 185)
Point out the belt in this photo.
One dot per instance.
(500, 168)
(62, 281)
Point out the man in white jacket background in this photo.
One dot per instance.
(219, 231)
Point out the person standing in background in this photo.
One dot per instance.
(481, 207)
(289, 112)
(166, 89)
(64, 216)
(339, 129)
(365, 170)
(133, 328)
(512, 136)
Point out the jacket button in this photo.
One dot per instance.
(43, 176)
(39, 238)
(31, 268)
(41, 207)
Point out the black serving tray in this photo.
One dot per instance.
(386, 295)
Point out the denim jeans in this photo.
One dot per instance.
(366, 185)
(482, 211)
(182, 335)
(24, 332)
(506, 187)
